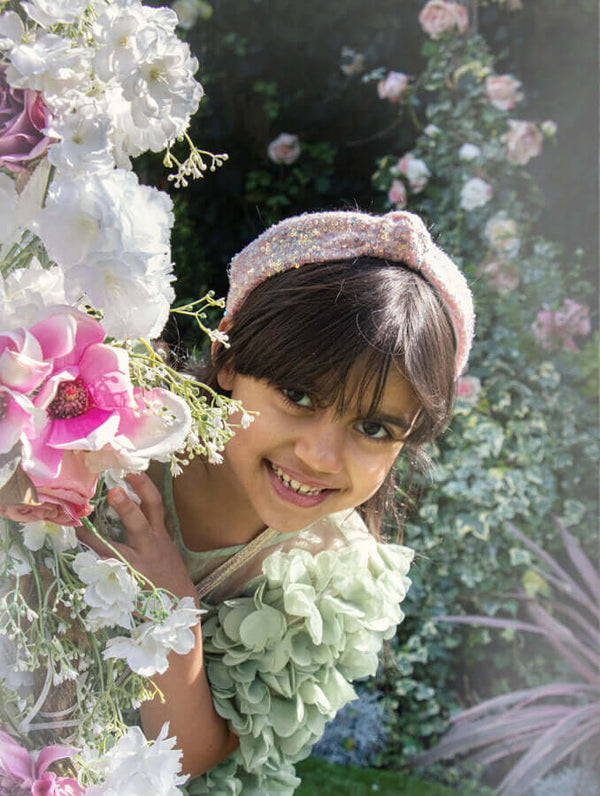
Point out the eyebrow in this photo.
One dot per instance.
(404, 422)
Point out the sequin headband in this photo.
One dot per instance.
(324, 237)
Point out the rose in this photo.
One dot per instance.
(438, 17)
(523, 141)
(397, 194)
(62, 500)
(501, 231)
(469, 152)
(284, 150)
(468, 389)
(475, 193)
(503, 91)
(501, 276)
(557, 328)
(23, 117)
(393, 86)
(415, 170)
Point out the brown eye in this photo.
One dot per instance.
(297, 397)
(373, 430)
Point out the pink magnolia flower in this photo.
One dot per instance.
(393, 86)
(558, 328)
(468, 389)
(438, 17)
(22, 771)
(397, 194)
(503, 91)
(284, 150)
(23, 118)
(501, 276)
(523, 141)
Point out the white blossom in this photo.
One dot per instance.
(111, 591)
(146, 650)
(83, 141)
(475, 193)
(52, 12)
(60, 537)
(134, 766)
(28, 291)
(469, 152)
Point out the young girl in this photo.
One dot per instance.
(347, 333)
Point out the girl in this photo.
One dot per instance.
(347, 333)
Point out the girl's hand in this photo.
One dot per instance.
(149, 549)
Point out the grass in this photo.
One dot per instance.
(327, 779)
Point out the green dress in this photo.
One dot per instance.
(285, 634)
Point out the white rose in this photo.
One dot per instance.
(284, 150)
(502, 233)
(475, 193)
(469, 152)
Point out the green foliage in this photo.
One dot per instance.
(525, 448)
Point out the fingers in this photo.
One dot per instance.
(144, 521)
(99, 546)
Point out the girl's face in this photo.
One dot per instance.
(299, 461)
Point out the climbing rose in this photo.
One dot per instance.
(503, 91)
(438, 17)
(284, 150)
(393, 86)
(555, 328)
(523, 141)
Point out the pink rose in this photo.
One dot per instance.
(468, 389)
(438, 17)
(501, 276)
(284, 150)
(523, 141)
(23, 117)
(415, 170)
(63, 499)
(393, 86)
(503, 91)
(397, 194)
(557, 328)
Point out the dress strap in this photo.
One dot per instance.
(235, 561)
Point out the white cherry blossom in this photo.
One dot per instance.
(110, 590)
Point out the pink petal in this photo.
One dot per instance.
(76, 331)
(15, 760)
(50, 754)
(106, 372)
(38, 458)
(91, 430)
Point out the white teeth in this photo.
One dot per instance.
(291, 483)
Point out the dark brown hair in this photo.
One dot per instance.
(306, 328)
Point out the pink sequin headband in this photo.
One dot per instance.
(324, 237)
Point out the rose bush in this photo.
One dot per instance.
(393, 86)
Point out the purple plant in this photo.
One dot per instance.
(548, 723)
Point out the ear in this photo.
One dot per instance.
(226, 377)
(223, 327)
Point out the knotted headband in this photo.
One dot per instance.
(324, 237)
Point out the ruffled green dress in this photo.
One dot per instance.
(285, 634)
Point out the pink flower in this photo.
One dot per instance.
(284, 150)
(438, 17)
(503, 91)
(523, 141)
(557, 328)
(22, 771)
(501, 276)
(393, 86)
(23, 117)
(468, 389)
(415, 170)
(397, 194)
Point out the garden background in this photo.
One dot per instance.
(518, 209)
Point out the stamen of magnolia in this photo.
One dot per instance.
(72, 399)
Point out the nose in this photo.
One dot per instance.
(320, 446)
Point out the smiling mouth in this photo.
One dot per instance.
(295, 486)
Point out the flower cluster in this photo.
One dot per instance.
(557, 328)
(85, 285)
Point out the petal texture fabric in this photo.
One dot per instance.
(281, 656)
